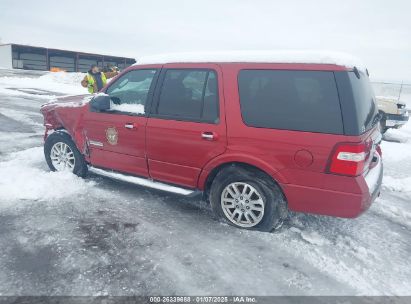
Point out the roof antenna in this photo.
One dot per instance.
(399, 95)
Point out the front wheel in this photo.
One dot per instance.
(62, 154)
(247, 198)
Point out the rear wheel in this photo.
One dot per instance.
(247, 199)
(62, 154)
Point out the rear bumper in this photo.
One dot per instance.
(396, 120)
(337, 203)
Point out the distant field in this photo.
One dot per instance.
(393, 90)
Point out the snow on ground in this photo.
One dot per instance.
(62, 235)
(24, 177)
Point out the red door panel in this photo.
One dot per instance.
(128, 153)
(178, 149)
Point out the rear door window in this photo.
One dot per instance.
(290, 100)
(188, 94)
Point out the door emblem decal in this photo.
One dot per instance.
(112, 135)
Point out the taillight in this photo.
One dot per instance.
(348, 159)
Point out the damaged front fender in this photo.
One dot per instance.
(67, 114)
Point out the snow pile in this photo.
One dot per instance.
(311, 237)
(129, 108)
(398, 184)
(285, 56)
(53, 82)
(25, 176)
(63, 78)
(396, 152)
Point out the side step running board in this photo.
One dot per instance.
(141, 181)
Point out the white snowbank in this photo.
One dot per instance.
(25, 176)
(54, 82)
(398, 184)
(284, 56)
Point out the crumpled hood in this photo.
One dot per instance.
(63, 112)
(67, 101)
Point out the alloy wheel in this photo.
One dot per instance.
(242, 204)
(62, 157)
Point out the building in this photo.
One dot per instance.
(27, 57)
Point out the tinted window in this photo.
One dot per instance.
(364, 100)
(291, 100)
(189, 95)
(130, 92)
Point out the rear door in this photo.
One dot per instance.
(117, 138)
(186, 126)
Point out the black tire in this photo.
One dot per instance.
(80, 165)
(275, 209)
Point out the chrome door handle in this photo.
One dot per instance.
(130, 126)
(209, 135)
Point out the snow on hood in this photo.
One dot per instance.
(67, 102)
(71, 101)
(285, 56)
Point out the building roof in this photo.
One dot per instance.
(285, 56)
(62, 50)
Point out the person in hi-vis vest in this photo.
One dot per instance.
(95, 80)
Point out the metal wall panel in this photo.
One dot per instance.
(6, 57)
(38, 58)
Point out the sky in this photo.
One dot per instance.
(378, 32)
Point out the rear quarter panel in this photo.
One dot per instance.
(290, 157)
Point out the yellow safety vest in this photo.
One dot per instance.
(91, 81)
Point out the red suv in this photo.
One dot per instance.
(256, 138)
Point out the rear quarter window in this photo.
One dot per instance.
(357, 102)
(290, 100)
(364, 98)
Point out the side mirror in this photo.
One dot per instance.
(115, 100)
(100, 103)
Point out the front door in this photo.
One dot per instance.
(116, 138)
(186, 126)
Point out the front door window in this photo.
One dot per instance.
(130, 92)
(117, 137)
